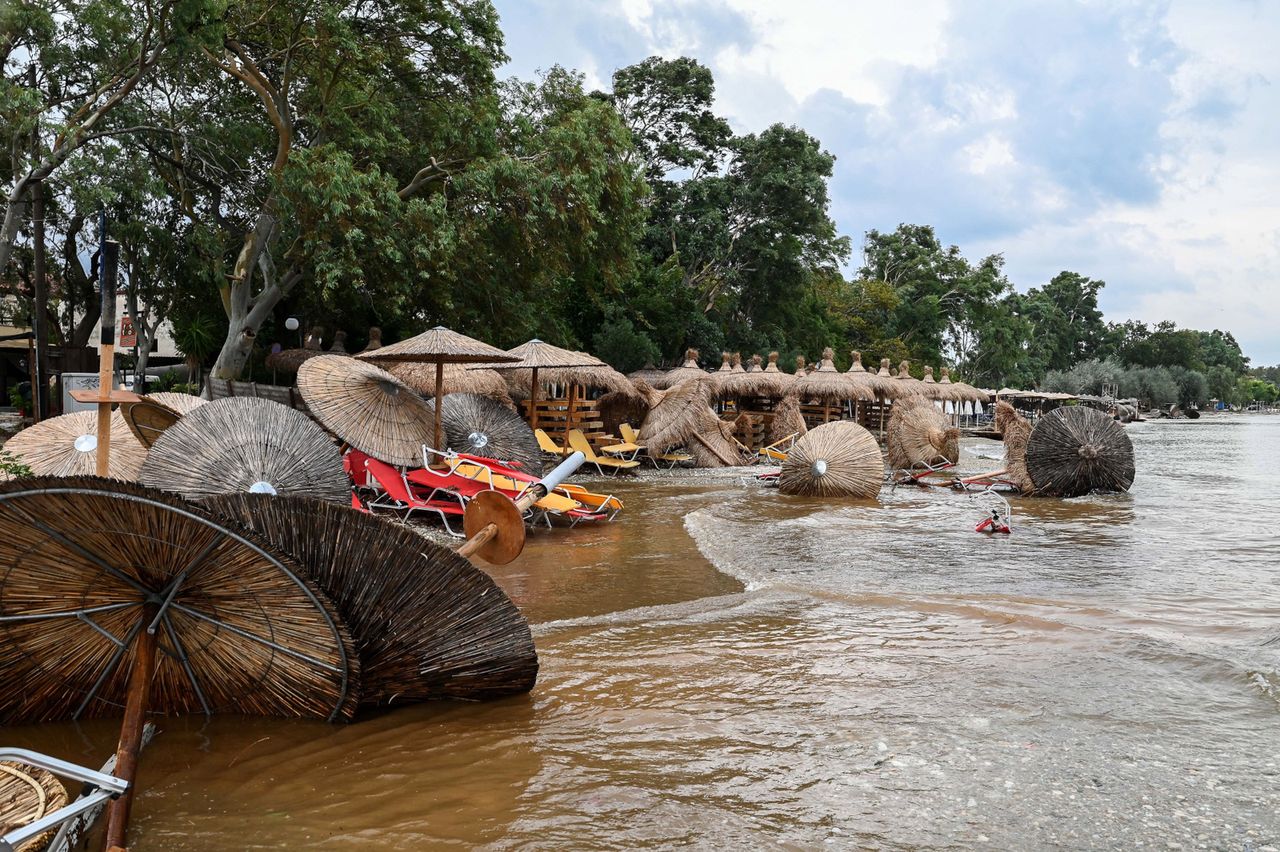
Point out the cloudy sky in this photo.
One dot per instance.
(1136, 142)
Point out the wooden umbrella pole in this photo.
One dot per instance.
(105, 358)
(131, 739)
(714, 451)
(533, 400)
(436, 461)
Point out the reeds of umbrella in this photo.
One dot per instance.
(682, 417)
(787, 420)
(367, 408)
(1015, 431)
(183, 403)
(688, 370)
(618, 408)
(421, 377)
(147, 419)
(375, 339)
(479, 426)
(242, 443)
(67, 445)
(829, 386)
(28, 793)
(427, 624)
(248, 632)
(838, 459)
(961, 392)
(753, 382)
(919, 436)
(1076, 450)
(339, 345)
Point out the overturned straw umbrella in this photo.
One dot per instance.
(479, 426)
(147, 419)
(183, 403)
(1015, 431)
(243, 444)
(688, 370)
(367, 408)
(100, 575)
(919, 436)
(682, 417)
(787, 420)
(457, 379)
(427, 624)
(829, 386)
(839, 459)
(1075, 450)
(67, 445)
(438, 346)
(28, 793)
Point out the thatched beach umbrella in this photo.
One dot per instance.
(28, 793)
(535, 355)
(618, 408)
(479, 426)
(905, 384)
(688, 370)
(457, 379)
(962, 392)
(243, 444)
(682, 417)
(100, 573)
(737, 363)
(771, 368)
(1075, 449)
(752, 382)
(919, 436)
(339, 345)
(427, 624)
(183, 403)
(66, 445)
(839, 459)
(858, 374)
(289, 360)
(438, 346)
(829, 386)
(147, 419)
(787, 420)
(933, 390)
(367, 408)
(598, 377)
(375, 339)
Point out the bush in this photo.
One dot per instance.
(621, 345)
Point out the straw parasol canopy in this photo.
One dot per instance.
(244, 444)
(931, 389)
(91, 564)
(1075, 450)
(737, 363)
(439, 346)
(919, 435)
(28, 793)
(147, 420)
(536, 355)
(1015, 431)
(787, 420)
(772, 368)
(183, 403)
(688, 370)
(477, 425)
(858, 374)
(648, 373)
(67, 445)
(375, 339)
(339, 345)
(600, 377)
(839, 459)
(962, 392)
(289, 360)
(367, 408)
(457, 379)
(829, 386)
(753, 382)
(905, 384)
(427, 624)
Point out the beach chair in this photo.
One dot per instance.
(549, 446)
(629, 448)
(398, 496)
(578, 442)
(592, 502)
(777, 451)
(670, 459)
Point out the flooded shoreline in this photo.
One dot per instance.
(727, 666)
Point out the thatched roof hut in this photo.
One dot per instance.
(1015, 431)
(1075, 449)
(787, 420)
(920, 436)
(839, 459)
(688, 370)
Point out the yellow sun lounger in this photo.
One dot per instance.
(777, 451)
(553, 502)
(579, 443)
(593, 501)
(549, 446)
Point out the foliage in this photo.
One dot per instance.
(621, 345)
(12, 467)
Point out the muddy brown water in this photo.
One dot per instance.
(728, 668)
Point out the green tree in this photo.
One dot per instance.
(1067, 325)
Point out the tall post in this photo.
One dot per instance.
(106, 347)
(438, 461)
(533, 400)
(39, 324)
(135, 717)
